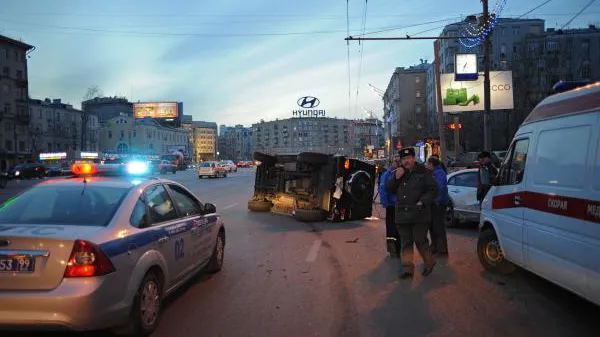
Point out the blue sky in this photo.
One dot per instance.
(236, 61)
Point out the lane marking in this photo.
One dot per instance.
(314, 251)
(232, 205)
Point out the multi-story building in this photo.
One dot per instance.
(539, 61)
(186, 123)
(14, 102)
(507, 34)
(127, 135)
(294, 135)
(368, 137)
(107, 108)
(406, 102)
(235, 143)
(205, 140)
(57, 127)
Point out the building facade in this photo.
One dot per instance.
(205, 141)
(14, 102)
(504, 40)
(235, 143)
(432, 129)
(368, 137)
(107, 108)
(294, 135)
(58, 127)
(405, 100)
(127, 135)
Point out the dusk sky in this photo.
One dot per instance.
(236, 62)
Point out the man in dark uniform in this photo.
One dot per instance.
(416, 190)
(487, 175)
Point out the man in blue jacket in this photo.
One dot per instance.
(388, 200)
(437, 231)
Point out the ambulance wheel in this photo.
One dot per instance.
(490, 253)
(259, 205)
(309, 215)
(313, 158)
(264, 158)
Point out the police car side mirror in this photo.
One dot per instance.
(209, 208)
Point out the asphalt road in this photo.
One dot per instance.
(285, 278)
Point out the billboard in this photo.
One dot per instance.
(162, 110)
(463, 96)
(53, 156)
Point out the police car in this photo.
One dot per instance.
(102, 249)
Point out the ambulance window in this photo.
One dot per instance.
(560, 163)
(513, 171)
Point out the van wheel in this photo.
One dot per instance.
(449, 218)
(259, 205)
(146, 309)
(264, 158)
(313, 158)
(309, 215)
(490, 253)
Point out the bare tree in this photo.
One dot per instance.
(92, 92)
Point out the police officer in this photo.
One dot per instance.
(416, 190)
(487, 175)
(388, 200)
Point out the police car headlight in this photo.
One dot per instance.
(136, 167)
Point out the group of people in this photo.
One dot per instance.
(415, 197)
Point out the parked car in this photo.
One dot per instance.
(211, 169)
(313, 186)
(27, 171)
(463, 206)
(54, 171)
(229, 165)
(543, 214)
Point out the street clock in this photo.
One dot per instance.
(465, 67)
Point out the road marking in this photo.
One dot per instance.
(314, 251)
(228, 207)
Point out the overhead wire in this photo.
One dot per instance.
(348, 56)
(578, 13)
(361, 50)
(534, 8)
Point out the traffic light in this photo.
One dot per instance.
(452, 126)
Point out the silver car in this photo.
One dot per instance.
(101, 252)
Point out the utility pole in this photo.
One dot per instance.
(487, 132)
(438, 98)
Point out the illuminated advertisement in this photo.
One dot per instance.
(462, 96)
(89, 155)
(163, 110)
(53, 156)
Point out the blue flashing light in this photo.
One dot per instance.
(136, 182)
(562, 86)
(137, 167)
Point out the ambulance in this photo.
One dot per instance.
(543, 214)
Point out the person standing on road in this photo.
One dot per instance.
(487, 175)
(437, 231)
(388, 200)
(416, 190)
(442, 165)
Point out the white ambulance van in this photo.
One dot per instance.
(543, 214)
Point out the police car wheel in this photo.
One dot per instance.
(146, 308)
(490, 253)
(216, 260)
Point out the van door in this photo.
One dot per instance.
(559, 240)
(507, 201)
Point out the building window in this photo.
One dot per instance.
(418, 108)
(134, 133)
(418, 94)
(552, 45)
(19, 74)
(418, 79)
(585, 72)
(8, 145)
(516, 31)
(22, 146)
(49, 146)
(122, 134)
(109, 134)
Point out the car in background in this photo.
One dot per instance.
(229, 165)
(27, 171)
(211, 169)
(244, 164)
(313, 186)
(163, 166)
(470, 160)
(54, 171)
(463, 205)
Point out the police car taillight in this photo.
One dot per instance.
(88, 260)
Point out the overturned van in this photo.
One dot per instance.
(313, 186)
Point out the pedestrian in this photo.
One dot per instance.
(388, 200)
(443, 166)
(437, 231)
(487, 175)
(416, 190)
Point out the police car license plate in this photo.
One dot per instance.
(17, 264)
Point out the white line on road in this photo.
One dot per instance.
(228, 207)
(314, 251)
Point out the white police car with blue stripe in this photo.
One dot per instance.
(96, 251)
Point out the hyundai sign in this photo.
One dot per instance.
(462, 96)
(308, 105)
